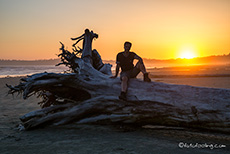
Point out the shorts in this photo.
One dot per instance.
(130, 73)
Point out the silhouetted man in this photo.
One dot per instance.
(128, 70)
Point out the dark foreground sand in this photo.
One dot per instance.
(93, 139)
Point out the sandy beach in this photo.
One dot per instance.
(93, 139)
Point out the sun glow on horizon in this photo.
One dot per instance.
(187, 53)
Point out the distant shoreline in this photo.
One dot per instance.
(210, 60)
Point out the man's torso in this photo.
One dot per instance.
(126, 62)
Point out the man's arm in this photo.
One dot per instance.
(117, 69)
(138, 58)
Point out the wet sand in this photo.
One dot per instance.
(93, 139)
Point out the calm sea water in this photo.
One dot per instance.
(202, 76)
(22, 70)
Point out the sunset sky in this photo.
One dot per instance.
(158, 29)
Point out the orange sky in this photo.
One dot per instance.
(159, 29)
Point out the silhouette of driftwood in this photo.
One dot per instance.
(89, 95)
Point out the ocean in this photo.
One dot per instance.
(23, 70)
(211, 76)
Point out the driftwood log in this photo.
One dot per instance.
(89, 95)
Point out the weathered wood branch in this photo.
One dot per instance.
(149, 103)
(89, 96)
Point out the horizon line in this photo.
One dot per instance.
(114, 59)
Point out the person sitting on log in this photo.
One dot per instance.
(128, 70)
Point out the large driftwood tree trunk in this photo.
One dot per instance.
(89, 96)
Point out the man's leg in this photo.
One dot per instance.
(124, 86)
(142, 68)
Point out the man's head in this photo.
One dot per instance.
(127, 46)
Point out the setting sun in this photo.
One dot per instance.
(187, 51)
(188, 54)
